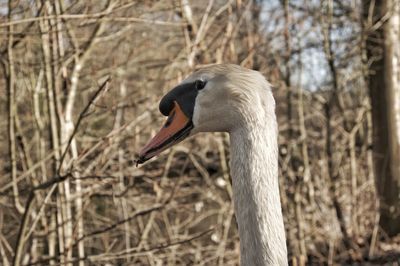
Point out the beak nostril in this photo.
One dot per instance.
(169, 120)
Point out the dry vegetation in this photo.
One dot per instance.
(81, 81)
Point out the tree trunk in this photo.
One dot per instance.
(383, 48)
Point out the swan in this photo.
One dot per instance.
(233, 99)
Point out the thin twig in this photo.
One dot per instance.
(82, 115)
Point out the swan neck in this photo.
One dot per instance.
(254, 170)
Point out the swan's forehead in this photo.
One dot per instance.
(210, 72)
(200, 75)
(232, 73)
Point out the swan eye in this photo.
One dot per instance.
(200, 84)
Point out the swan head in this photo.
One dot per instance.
(217, 98)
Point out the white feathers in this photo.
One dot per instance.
(240, 101)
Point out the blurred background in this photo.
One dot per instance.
(80, 83)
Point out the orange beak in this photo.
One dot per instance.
(176, 128)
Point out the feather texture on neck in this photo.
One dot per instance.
(254, 170)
